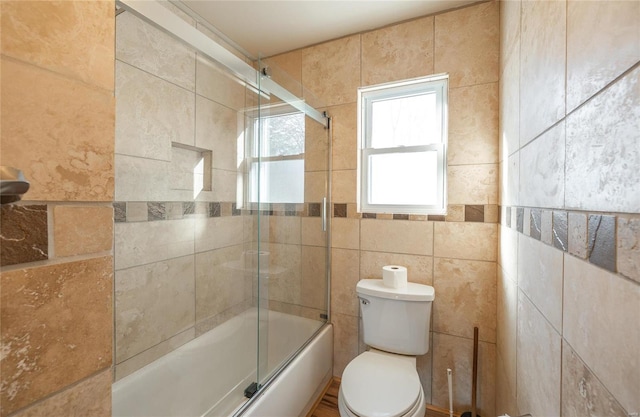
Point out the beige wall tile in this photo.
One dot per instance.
(345, 274)
(506, 330)
(332, 70)
(398, 52)
(425, 371)
(286, 70)
(218, 85)
(466, 297)
(146, 242)
(141, 179)
(345, 344)
(628, 247)
(510, 179)
(509, 29)
(344, 185)
(155, 302)
(397, 236)
(146, 47)
(312, 234)
(91, 397)
(508, 252)
(419, 268)
(467, 44)
(457, 353)
(284, 283)
(316, 146)
(345, 233)
(542, 66)
(603, 41)
(475, 241)
(66, 335)
(539, 362)
(509, 98)
(611, 327)
(74, 39)
(540, 277)
(472, 184)
(217, 232)
(283, 229)
(313, 282)
(315, 186)
(345, 143)
(473, 125)
(577, 231)
(70, 154)
(601, 134)
(506, 402)
(78, 230)
(216, 129)
(542, 170)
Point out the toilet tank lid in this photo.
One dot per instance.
(412, 292)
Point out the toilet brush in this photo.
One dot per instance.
(474, 381)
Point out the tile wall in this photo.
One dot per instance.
(456, 253)
(568, 278)
(56, 317)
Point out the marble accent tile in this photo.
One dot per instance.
(345, 341)
(546, 226)
(217, 232)
(509, 99)
(508, 217)
(23, 234)
(315, 209)
(120, 212)
(540, 277)
(560, 230)
(473, 213)
(466, 298)
(345, 274)
(419, 267)
(216, 129)
(514, 218)
(137, 212)
(70, 154)
(339, 210)
(219, 281)
(345, 233)
(91, 397)
(174, 210)
(140, 179)
(144, 358)
(601, 241)
(215, 83)
(473, 125)
(188, 208)
(155, 302)
(472, 184)
(602, 42)
(526, 221)
(467, 44)
(214, 210)
(344, 144)
(542, 170)
(400, 217)
(611, 328)
(506, 341)
(147, 242)
(144, 46)
(332, 70)
(156, 211)
(542, 64)
(582, 393)
(455, 213)
(457, 353)
(344, 186)
(78, 230)
(313, 277)
(476, 241)
(398, 236)
(539, 349)
(65, 337)
(74, 39)
(628, 247)
(398, 52)
(311, 232)
(535, 224)
(577, 231)
(508, 252)
(146, 120)
(602, 146)
(519, 219)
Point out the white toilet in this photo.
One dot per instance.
(384, 382)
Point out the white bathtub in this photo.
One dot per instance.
(207, 376)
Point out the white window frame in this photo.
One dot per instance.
(437, 84)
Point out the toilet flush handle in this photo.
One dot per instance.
(364, 300)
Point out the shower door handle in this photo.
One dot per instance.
(324, 214)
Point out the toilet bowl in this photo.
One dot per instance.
(381, 384)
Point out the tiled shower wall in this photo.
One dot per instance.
(56, 318)
(456, 253)
(569, 275)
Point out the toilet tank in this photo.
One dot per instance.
(396, 319)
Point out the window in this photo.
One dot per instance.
(402, 130)
(279, 141)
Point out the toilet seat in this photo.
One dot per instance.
(381, 384)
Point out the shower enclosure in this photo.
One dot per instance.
(221, 223)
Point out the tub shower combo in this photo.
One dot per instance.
(221, 225)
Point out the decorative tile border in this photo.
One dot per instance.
(488, 213)
(610, 241)
(148, 211)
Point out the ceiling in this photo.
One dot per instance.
(266, 27)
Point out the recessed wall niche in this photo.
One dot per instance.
(190, 168)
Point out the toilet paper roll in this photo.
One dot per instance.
(394, 276)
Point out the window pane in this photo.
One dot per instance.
(404, 178)
(405, 121)
(280, 181)
(283, 135)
